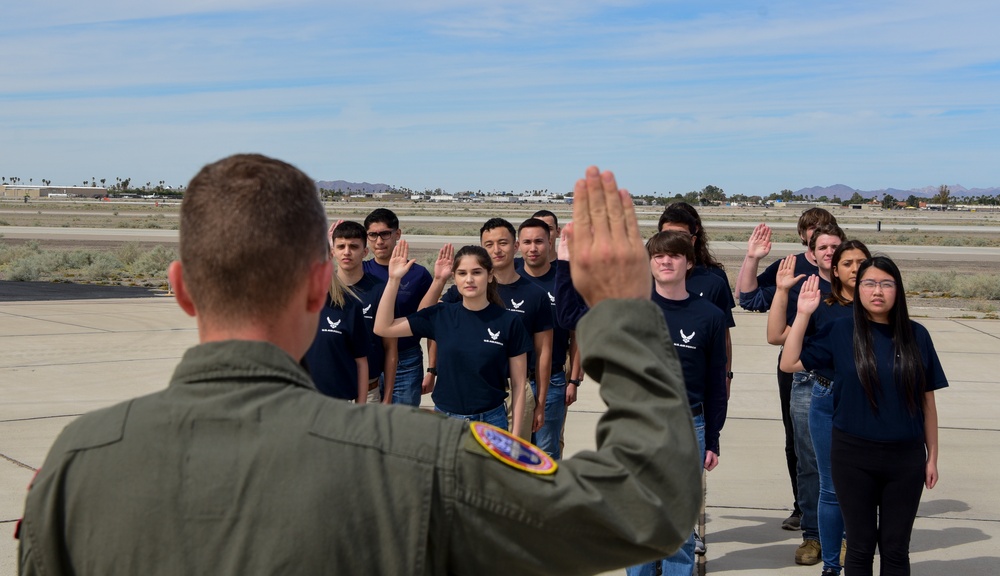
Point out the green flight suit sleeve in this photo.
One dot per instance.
(632, 500)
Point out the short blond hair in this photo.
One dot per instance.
(251, 227)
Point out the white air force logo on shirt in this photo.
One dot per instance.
(516, 305)
(552, 298)
(493, 337)
(686, 339)
(333, 326)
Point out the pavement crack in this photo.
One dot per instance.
(994, 336)
(18, 463)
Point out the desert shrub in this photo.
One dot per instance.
(77, 259)
(128, 252)
(930, 282)
(985, 286)
(24, 270)
(103, 266)
(154, 262)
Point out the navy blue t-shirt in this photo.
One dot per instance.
(760, 299)
(698, 330)
(823, 315)
(341, 338)
(474, 348)
(369, 290)
(523, 299)
(703, 283)
(725, 278)
(560, 335)
(412, 289)
(832, 347)
(570, 306)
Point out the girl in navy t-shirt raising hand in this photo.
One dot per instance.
(884, 447)
(478, 342)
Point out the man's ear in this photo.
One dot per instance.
(320, 274)
(175, 274)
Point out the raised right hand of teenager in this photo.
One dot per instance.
(759, 245)
(445, 262)
(786, 278)
(400, 263)
(609, 258)
(810, 295)
(562, 250)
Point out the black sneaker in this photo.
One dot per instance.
(793, 522)
(829, 572)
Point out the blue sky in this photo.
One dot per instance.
(489, 95)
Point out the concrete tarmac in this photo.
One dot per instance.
(61, 358)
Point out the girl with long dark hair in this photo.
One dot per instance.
(844, 264)
(884, 442)
(478, 342)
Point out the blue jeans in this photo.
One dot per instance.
(547, 438)
(831, 523)
(409, 377)
(681, 563)
(808, 476)
(497, 416)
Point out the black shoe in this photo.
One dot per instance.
(793, 522)
(829, 572)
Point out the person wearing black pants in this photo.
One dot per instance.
(877, 478)
(884, 445)
(785, 398)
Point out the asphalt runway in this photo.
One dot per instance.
(48, 291)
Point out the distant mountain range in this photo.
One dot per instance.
(840, 190)
(844, 192)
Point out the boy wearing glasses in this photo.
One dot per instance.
(382, 229)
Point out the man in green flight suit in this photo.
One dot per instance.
(240, 467)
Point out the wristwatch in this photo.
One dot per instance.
(432, 370)
(576, 381)
(729, 374)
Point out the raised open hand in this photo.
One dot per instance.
(400, 263)
(786, 278)
(609, 258)
(444, 263)
(759, 244)
(810, 295)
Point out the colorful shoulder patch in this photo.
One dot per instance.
(512, 450)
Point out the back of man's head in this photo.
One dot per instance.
(251, 227)
(349, 230)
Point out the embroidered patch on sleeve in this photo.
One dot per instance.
(512, 450)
